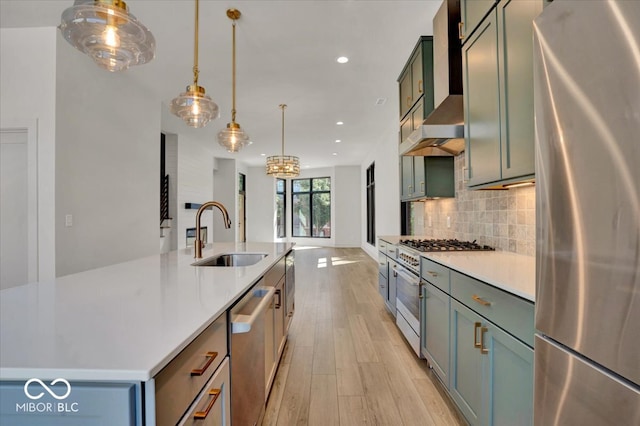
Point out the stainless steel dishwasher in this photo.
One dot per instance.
(248, 319)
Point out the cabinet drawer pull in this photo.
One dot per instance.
(420, 86)
(279, 294)
(200, 371)
(460, 26)
(408, 101)
(432, 273)
(382, 263)
(483, 350)
(476, 326)
(480, 300)
(201, 415)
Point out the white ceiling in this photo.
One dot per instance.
(286, 53)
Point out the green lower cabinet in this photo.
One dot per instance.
(491, 371)
(435, 332)
(509, 379)
(466, 362)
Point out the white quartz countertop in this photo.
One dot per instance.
(121, 322)
(511, 272)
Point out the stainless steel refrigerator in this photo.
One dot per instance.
(587, 114)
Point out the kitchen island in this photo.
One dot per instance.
(122, 323)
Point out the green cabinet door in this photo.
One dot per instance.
(482, 104)
(515, 52)
(407, 177)
(471, 13)
(419, 178)
(435, 331)
(465, 382)
(508, 386)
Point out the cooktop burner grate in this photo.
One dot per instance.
(445, 245)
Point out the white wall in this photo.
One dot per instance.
(195, 185)
(107, 164)
(347, 218)
(225, 191)
(387, 188)
(28, 88)
(261, 205)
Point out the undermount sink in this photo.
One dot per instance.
(232, 259)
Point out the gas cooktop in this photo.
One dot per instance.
(444, 245)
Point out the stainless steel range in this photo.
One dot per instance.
(407, 275)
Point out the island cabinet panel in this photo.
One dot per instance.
(213, 406)
(178, 384)
(87, 404)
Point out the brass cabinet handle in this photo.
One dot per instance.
(432, 273)
(483, 350)
(201, 415)
(460, 26)
(279, 294)
(420, 86)
(408, 101)
(480, 300)
(200, 371)
(476, 326)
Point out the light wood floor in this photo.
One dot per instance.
(345, 362)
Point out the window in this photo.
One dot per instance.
(311, 207)
(371, 205)
(281, 197)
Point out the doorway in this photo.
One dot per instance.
(242, 204)
(18, 207)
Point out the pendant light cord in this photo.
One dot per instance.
(233, 73)
(195, 48)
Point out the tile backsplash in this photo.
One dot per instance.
(504, 219)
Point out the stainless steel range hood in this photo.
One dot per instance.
(442, 132)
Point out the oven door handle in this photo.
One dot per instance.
(413, 280)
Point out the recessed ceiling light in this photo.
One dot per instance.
(335, 153)
(339, 123)
(338, 141)
(342, 60)
(262, 155)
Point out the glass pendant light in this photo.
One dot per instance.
(108, 33)
(233, 138)
(283, 166)
(194, 106)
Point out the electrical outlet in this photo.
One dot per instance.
(448, 221)
(68, 220)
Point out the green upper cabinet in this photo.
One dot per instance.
(471, 14)
(416, 85)
(498, 95)
(427, 177)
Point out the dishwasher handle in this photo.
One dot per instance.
(241, 323)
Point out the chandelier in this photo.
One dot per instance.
(283, 166)
(108, 33)
(194, 106)
(233, 138)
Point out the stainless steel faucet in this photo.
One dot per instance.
(199, 244)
